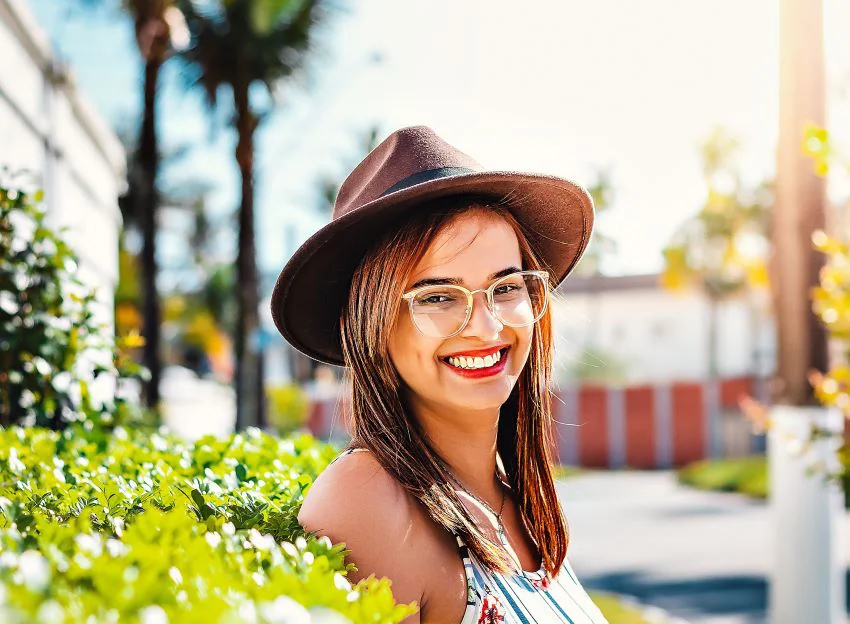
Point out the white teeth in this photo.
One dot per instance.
(463, 361)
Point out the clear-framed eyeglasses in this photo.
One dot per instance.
(516, 300)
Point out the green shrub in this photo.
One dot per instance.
(289, 407)
(134, 527)
(740, 474)
(52, 349)
(617, 611)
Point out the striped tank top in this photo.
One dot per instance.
(524, 597)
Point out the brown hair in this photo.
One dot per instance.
(382, 422)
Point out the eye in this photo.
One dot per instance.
(435, 299)
(504, 289)
(432, 299)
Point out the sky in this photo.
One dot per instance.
(562, 87)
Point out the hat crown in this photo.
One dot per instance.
(404, 153)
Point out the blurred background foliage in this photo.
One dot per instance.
(58, 361)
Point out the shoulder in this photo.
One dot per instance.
(353, 488)
(356, 501)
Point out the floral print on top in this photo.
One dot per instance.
(524, 597)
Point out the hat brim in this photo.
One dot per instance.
(312, 288)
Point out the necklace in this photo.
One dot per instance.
(498, 516)
(500, 527)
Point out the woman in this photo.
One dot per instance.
(431, 284)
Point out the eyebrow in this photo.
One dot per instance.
(436, 281)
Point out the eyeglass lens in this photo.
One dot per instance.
(518, 300)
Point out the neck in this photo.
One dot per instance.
(466, 440)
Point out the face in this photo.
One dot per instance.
(470, 251)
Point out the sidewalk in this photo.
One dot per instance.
(701, 556)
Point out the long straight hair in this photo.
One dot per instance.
(382, 421)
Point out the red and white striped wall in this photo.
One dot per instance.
(646, 426)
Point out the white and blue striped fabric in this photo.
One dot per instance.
(524, 597)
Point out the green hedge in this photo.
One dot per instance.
(747, 475)
(143, 527)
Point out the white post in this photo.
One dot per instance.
(807, 580)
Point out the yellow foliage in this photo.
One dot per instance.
(131, 341)
(127, 319)
(201, 331)
(289, 407)
(832, 389)
(173, 308)
(757, 274)
(677, 273)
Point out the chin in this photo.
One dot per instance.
(481, 401)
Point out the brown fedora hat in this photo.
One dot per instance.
(414, 165)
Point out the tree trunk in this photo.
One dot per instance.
(146, 199)
(713, 330)
(250, 396)
(799, 208)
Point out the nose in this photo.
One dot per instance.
(482, 323)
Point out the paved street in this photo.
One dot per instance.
(701, 556)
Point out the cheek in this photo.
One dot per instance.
(411, 353)
(523, 346)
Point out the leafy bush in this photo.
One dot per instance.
(133, 527)
(741, 474)
(288, 407)
(52, 348)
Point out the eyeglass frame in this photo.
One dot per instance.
(470, 301)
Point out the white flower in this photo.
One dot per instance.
(153, 615)
(51, 612)
(15, 464)
(213, 538)
(175, 575)
(341, 582)
(34, 570)
(228, 529)
(324, 615)
(260, 541)
(8, 559)
(90, 544)
(115, 547)
(8, 302)
(247, 612)
(300, 543)
(117, 525)
(284, 610)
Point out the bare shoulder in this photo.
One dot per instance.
(356, 501)
(354, 488)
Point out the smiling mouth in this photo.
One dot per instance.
(466, 362)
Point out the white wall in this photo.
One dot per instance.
(661, 335)
(47, 128)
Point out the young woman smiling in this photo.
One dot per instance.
(431, 285)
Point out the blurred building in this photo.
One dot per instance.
(52, 139)
(631, 329)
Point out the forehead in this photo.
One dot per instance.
(473, 245)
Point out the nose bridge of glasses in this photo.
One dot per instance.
(490, 309)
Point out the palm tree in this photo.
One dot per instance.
(156, 22)
(800, 202)
(240, 44)
(707, 251)
(602, 190)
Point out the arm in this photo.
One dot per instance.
(355, 501)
